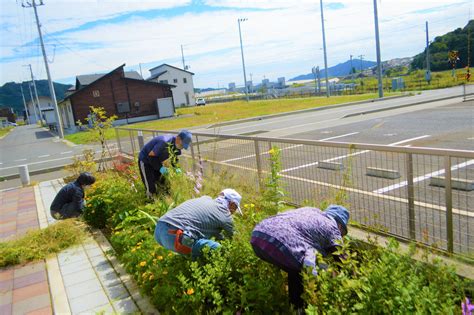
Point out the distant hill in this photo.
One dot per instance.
(339, 70)
(439, 48)
(10, 93)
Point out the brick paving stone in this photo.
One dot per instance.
(31, 304)
(29, 279)
(6, 298)
(6, 309)
(6, 285)
(43, 311)
(30, 291)
(6, 274)
(28, 269)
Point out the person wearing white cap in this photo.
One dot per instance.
(191, 226)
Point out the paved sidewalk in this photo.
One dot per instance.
(85, 279)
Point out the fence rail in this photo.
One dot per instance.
(420, 194)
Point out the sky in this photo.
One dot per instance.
(280, 38)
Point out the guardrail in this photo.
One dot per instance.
(388, 188)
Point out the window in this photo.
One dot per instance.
(185, 80)
(137, 106)
(95, 93)
(164, 81)
(175, 80)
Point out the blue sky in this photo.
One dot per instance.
(281, 38)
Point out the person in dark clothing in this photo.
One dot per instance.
(69, 201)
(157, 155)
(292, 239)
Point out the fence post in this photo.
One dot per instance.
(24, 174)
(132, 142)
(411, 197)
(449, 203)
(259, 163)
(118, 140)
(194, 158)
(141, 142)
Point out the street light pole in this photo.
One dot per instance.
(377, 45)
(50, 82)
(324, 48)
(243, 61)
(24, 104)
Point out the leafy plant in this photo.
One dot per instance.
(81, 163)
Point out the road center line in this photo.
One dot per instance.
(287, 148)
(66, 152)
(43, 156)
(422, 178)
(20, 160)
(349, 155)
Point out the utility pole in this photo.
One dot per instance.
(36, 93)
(50, 82)
(243, 61)
(140, 66)
(428, 71)
(182, 58)
(351, 72)
(377, 47)
(33, 102)
(324, 48)
(24, 104)
(361, 57)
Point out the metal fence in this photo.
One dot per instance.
(420, 194)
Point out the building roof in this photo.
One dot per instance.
(87, 79)
(156, 75)
(165, 64)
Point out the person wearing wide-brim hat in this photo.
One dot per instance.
(292, 239)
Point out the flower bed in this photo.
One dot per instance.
(233, 280)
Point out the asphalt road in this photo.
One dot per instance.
(36, 147)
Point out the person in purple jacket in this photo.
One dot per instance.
(157, 155)
(292, 239)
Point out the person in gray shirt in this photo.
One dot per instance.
(190, 226)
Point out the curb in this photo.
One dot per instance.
(399, 106)
(238, 121)
(44, 170)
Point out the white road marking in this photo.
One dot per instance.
(66, 152)
(422, 178)
(290, 147)
(43, 156)
(20, 160)
(349, 155)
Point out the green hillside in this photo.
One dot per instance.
(439, 48)
(10, 93)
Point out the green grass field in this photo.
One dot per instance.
(4, 131)
(220, 112)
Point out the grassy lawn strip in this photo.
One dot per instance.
(220, 112)
(39, 244)
(4, 131)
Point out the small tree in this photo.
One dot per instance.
(101, 124)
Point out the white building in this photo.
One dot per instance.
(36, 113)
(183, 92)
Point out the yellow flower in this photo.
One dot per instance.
(252, 205)
(170, 254)
(160, 257)
(133, 250)
(154, 260)
(151, 277)
(271, 152)
(144, 274)
(165, 272)
(246, 205)
(117, 233)
(143, 263)
(190, 291)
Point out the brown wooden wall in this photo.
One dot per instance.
(115, 89)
